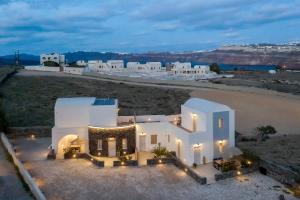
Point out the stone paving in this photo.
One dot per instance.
(80, 179)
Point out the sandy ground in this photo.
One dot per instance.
(254, 106)
(11, 187)
(79, 179)
(254, 109)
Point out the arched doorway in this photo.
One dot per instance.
(65, 143)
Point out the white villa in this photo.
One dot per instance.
(109, 66)
(198, 71)
(204, 130)
(147, 67)
(54, 57)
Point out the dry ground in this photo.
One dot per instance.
(79, 179)
(29, 100)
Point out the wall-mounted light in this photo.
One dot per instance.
(194, 115)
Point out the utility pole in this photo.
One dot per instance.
(17, 57)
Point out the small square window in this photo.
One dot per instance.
(153, 139)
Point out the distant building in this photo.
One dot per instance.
(147, 67)
(57, 58)
(186, 70)
(81, 63)
(109, 66)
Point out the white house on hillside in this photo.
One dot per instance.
(147, 67)
(204, 130)
(54, 57)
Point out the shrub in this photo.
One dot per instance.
(159, 151)
(215, 68)
(250, 155)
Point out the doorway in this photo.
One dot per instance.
(142, 144)
(197, 155)
(178, 149)
(111, 147)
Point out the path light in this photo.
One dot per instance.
(122, 163)
(99, 154)
(185, 169)
(74, 155)
(239, 172)
(92, 159)
(124, 152)
(32, 136)
(249, 162)
(159, 160)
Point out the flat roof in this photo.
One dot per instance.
(104, 102)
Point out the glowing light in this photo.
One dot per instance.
(249, 162)
(124, 152)
(122, 163)
(239, 173)
(99, 154)
(112, 128)
(74, 155)
(92, 159)
(185, 169)
(194, 115)
(220, 142)
(149, 119)
(32, 136)
(159, 161)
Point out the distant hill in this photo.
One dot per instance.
(232, 56)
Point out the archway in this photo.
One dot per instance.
(65, 143)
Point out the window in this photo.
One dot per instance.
(221, 123)
(124, 143)
(153, 139)
(99, 144)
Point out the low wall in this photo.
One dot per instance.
(24, 173)
(118, 163)
(37, 131)
(74, 70)
(156, 161)
(234, 173)
(278, 172)
(42, 68)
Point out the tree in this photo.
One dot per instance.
(215, 68)
(278, 68)
(50, 63)
(262, 132)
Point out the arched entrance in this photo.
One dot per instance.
(67, 142)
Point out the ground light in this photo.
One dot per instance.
(74, 156)
(249, 162)
(185, 169)
(159, 160)
(122, 163)
(239, 172)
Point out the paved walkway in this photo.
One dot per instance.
(11, 187)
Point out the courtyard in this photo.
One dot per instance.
(80, 179)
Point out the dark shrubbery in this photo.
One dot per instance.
(249, 155)
(215, 68)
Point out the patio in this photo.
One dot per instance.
(208, 171)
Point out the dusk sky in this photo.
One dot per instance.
(36, 26)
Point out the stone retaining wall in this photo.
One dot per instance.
(278, 172)
(156, 161)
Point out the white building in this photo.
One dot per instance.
(109, 66)
(181, 65)
(81, 63)
(147, 67)
(57, 58)
(203, 131)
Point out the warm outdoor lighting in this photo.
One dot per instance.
(124, 152)
(92, 159)
(194, 115)
(239, 173)
(149, 119)
(185, 169)
(249, 162)
(32, 136)
(74, 156)
(159, 160)
(99, 154)
(112, 128)
(122, 163)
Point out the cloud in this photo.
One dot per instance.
(217, 14)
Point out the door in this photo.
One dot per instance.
(142, 140)
(178, 149)
(197, 155)
(111, 147)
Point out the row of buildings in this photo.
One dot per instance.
(56, 62)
